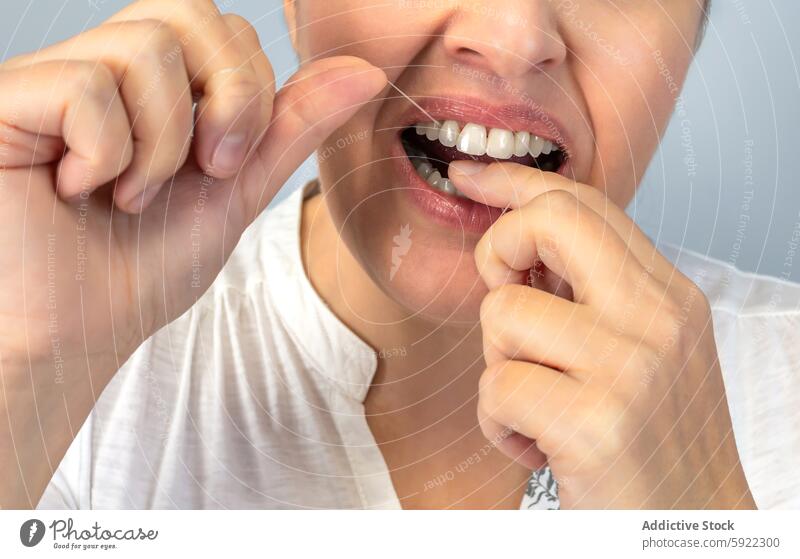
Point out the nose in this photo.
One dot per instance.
(508, 38)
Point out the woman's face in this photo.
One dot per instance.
(595, 78)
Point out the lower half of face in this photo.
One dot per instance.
(387, 190)
(534, 83)
(414, 239)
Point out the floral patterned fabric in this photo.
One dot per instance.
(542, 491)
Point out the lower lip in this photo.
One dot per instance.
(458, 213)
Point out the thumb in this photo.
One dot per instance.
(317, 100)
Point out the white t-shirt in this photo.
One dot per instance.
(254, 397)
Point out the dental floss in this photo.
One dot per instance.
(414, 103)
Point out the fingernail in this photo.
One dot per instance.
(466, 168)
(229, 154)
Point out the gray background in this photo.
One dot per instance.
(743, 90)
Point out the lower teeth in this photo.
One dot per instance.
(432, 176)
(435, 179)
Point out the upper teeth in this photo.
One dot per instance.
(474, 139)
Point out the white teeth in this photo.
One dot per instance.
(500, 144)
(472, 140)
(424, 169)
(447, 186)
(522, 143)
(448, 133)
(432, 132)
(435, 179)
(537, 144)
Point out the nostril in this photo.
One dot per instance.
(467, 52)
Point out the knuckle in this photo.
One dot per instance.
(198, 6)
(616, 433)
(608, 426)
(643, 362)
(158, 39)
(199, 13)
(565, 212)
(304, 105)
(500, 302)
(245, 86)
(94, 82)
(559, 203)
(162, 39)
(150, 30)
(243, 28)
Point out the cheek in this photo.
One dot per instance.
(630, 78)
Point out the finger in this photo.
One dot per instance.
(510, 185)
(514, 445)
(155, 89)
(77, 102)
(526, 324)
(231, 112)
(146, 59)
(250, 44)
(21, 148)
(538, 402)
(317, 100)
(568, 238)
(225, 158)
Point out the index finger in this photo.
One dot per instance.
(511, 185)
(569, 238)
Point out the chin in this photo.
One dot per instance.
(424, 266)
(438, 286)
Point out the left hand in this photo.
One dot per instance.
(611, 378)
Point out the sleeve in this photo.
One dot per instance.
(69, 487)
(762, 379)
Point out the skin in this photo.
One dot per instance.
(536, 363)
(539, 398)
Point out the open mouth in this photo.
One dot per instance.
(432, 146)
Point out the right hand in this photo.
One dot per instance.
(119, 97)
(111, 224)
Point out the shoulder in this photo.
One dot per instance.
(732, 291)
(269, 247)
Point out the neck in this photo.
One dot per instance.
(421, 406)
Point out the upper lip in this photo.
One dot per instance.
(526, 117)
